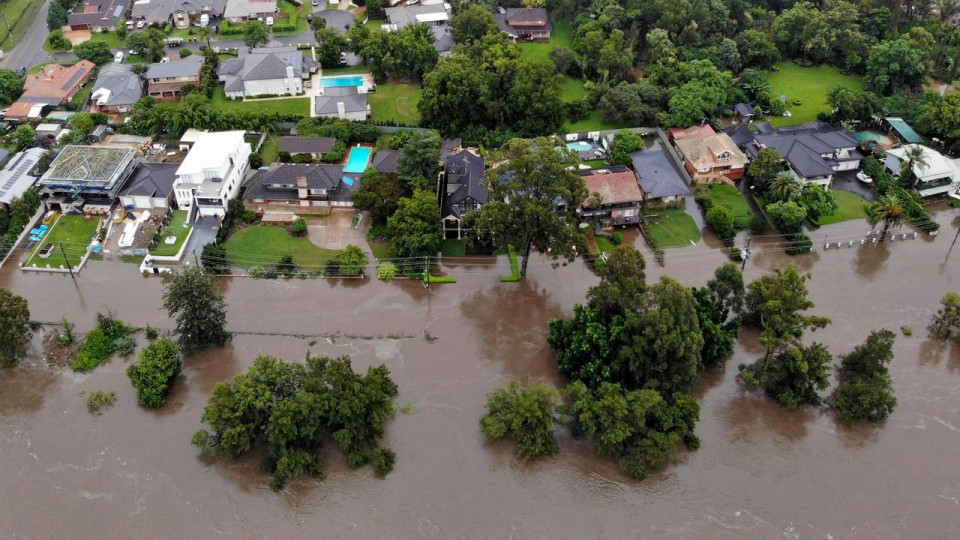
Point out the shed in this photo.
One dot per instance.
(903, 130)
(98, 134)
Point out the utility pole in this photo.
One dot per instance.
(196, 258)
(745, 253)
(66, 260)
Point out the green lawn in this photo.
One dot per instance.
(374, 25)
(454, 248)
(561, 36)
(572, 89)
(110, 38)
(592, 122)
(49, 48)
(265, 244)
(75, 233)
(850, 206)
(604, 244)
(270, 150)
(301, 22)
(80, 99)
(380, 250)
(299, 106)
(175, 228)
(730, 198)
(396, 102)
(810, 86)
(672, 228)
(17, 16)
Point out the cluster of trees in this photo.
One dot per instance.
(153, 375)
(15, 330)
(407, 53)
(16, 217)
(290, 409)
(57, 14)
(194, 110)
(11, 86)
(486, 87)
(794, 373)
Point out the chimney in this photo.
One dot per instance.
(341, 109)
(302, 187)
(289, 72)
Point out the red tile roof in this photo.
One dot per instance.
(614, 187)
(56, 81)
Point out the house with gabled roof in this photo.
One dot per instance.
(343, 102)
(659, 179)
(937, 174)
(166, 79)
(315, 147)
(290, 188)
(271, 70)
(812, 152)
(613, 194)
(97, 15)
(116, 89)
(150, 186)
(53, 85)
(523, 23)
(180, 12)
(710, 159)
(461, 189)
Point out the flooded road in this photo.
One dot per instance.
(761, 473)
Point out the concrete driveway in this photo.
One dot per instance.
(336, 232)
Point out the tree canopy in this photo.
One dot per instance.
(866, 390)
(153, 375)
(191, 298)
(14, 327)
(415, 226)
(526, 414)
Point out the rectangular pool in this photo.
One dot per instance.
(358, 159)
(333, 82)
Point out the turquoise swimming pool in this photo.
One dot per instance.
(333, 82)
(580, 146)
(358, 159)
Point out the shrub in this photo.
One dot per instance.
(185, 53)
(386, 271)
(798, 243)
(153, 375)
(256, 161)
(96, 401)
(124, 346)
(284, 156)
(249, 216)
(616, 238)
(101, 342)
(257, 271)
(302, 158)
(721, 221)
(151, 333)
(907, 331)
(298, 226)
(383, 460)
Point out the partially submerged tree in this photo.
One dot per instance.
(14, 328)
(866, 390)
(776, 304)
(947, 320)
(192, 299)
(523, 413)
(525, 193)
(153, 375)
(791, 376)
(415, 226)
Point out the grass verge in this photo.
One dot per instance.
(264, 245)
(514, 267)
(673, 228)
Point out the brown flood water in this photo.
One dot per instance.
(761, 473)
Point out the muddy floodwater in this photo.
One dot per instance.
(761, 472)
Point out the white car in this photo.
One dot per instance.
(141, 24)
(315, 2)
(118, 58)
(862, 176)
(269, 21)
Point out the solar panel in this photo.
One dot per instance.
(118, 11)
(74, 78)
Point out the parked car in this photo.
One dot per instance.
(130, 25)
(862, 176)
(22, 71)
(269, 21)
(141, 24)
(118, 58)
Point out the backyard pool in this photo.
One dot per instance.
(881, 139)
(580, 146)
(358, 159)
(333, 82)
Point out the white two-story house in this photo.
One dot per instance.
(212, 173)
(936, 175)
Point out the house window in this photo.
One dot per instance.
(724, 156)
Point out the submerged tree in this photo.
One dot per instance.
(526, 414)
(14, 327)
(192, 299)
(947, 320)
(532, 196)
(153, 375)
(887, 210)
(866, 390)
(792, 376)
(775, 303)
(290, 409)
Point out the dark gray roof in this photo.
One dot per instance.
(803, 146)
(442, 38)
(264, 63)
(99, 13)
(744, 109)
(318, 177)
(657, 175)
(151, 180)
(117, 85)
(406, 15)
(4, 154)
(300, 145)
(185, 67)
(161, 10)
(353, 100)
(336, 19)
(386, 161)
(464, 173)
(521, 15)
(740, 134)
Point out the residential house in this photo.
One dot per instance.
(315, 147)
(443, 40)
(239, 11)
(150, 186)
(812, 152)
(449, 147)
(386, 161)
(745, 112)
(289, 188)
(344, 102)
(612, 194)
(461, 189)
(432, 15)
(116, 89)
(87, 178)
(211, 173)
(701, 131)
(712, 159)
(939, 174)
(166, 79)
(523, 23)
(659, 179)
(15, 177)
(97, 15)
(179, 12)
(54, 85)
(271, 70)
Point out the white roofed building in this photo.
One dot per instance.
(938, 174)
(211, 173)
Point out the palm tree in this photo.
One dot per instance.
(784, 187)
(204, 33)
(888, 210)
(914, 158)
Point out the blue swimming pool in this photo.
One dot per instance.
(579, 146)
(348, 181)
(328, 82)
(358, 159)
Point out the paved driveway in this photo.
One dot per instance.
(336, 232)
